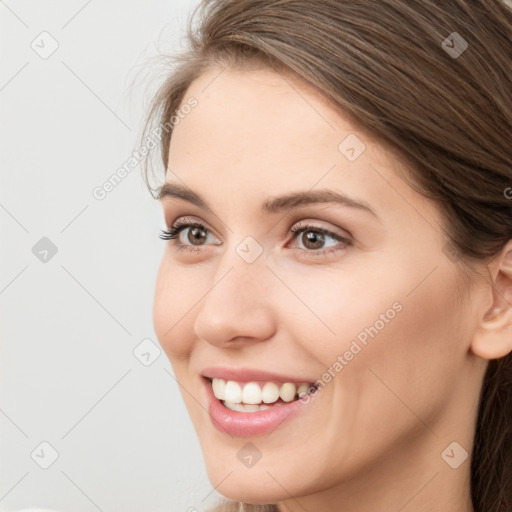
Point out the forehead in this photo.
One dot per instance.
(259, 130)
(240, 109)
(257, 123)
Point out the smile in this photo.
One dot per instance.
(254, 407)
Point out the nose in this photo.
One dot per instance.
(237, 307)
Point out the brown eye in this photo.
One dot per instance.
(316, 241)
(196, 235)
(313, 240)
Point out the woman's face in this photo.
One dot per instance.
(358, 295)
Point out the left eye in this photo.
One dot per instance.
(313, 239)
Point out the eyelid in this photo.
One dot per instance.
(187, 220)
(314, 225)
(181, 224)
(325, 252)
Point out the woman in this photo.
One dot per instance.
(335, 295)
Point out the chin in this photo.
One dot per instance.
(251, 489)
(265, 482)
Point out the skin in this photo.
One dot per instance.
(374, 435)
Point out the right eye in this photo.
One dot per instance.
(195, 234)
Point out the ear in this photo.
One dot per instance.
(493, 336)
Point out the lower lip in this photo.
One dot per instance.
(245, 424)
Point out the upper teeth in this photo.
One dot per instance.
(253, 393)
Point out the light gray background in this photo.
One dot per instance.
(69, 376)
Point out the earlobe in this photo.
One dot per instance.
(493, 337)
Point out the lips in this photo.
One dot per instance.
(252, 402)
(250, 374)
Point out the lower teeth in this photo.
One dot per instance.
(250, 407)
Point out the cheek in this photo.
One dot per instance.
(406, 371)
(400, 302)
(393, 338)
(339, 306)
(173, 307)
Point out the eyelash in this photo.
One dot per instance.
(175, 230)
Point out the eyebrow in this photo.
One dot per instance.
(274, 204)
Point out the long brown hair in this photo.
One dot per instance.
(396, 67)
